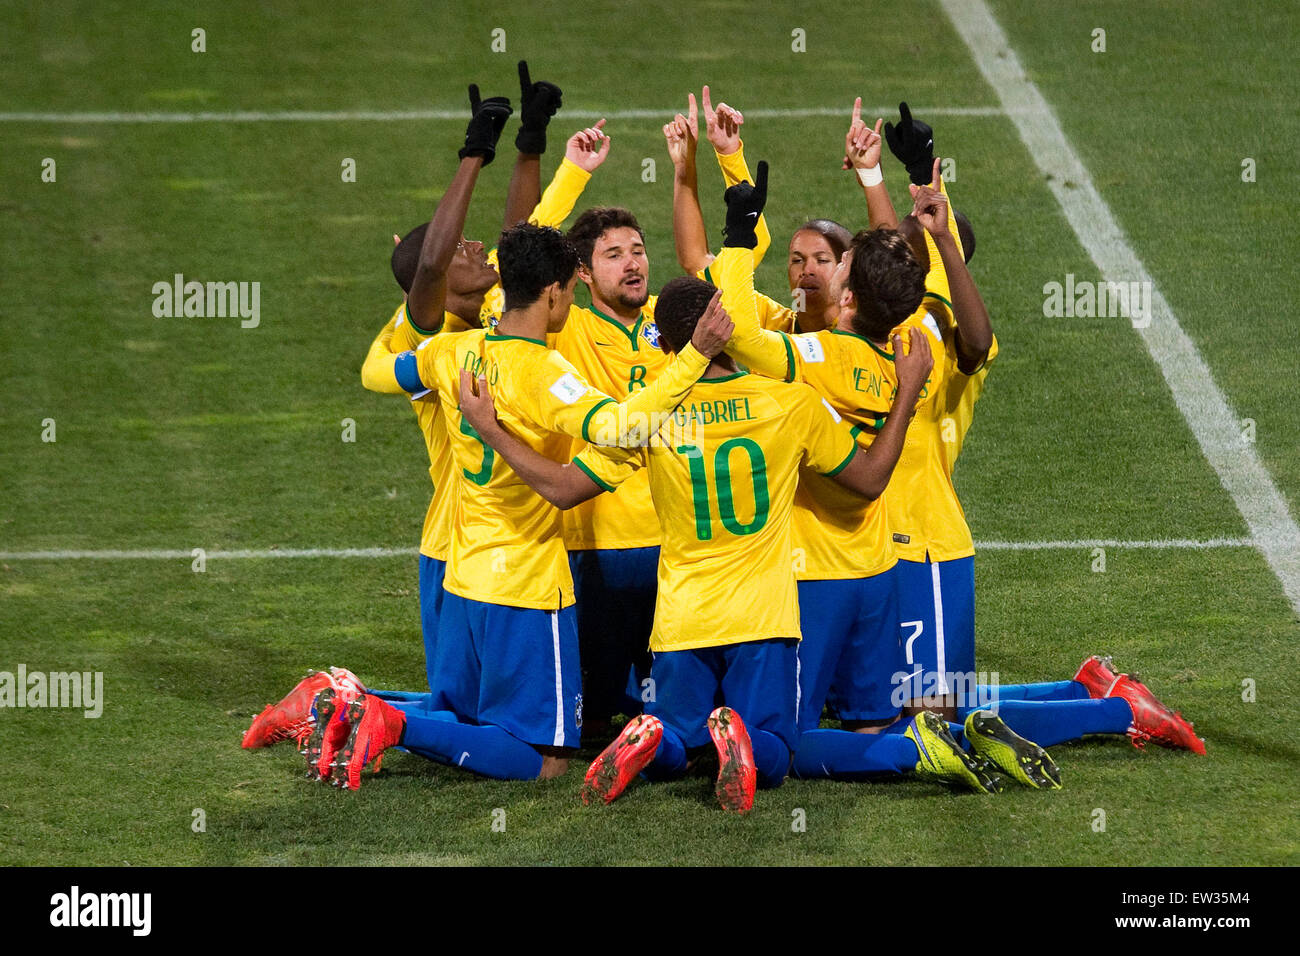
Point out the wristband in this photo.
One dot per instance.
(871, 177)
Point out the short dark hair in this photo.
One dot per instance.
(679, 307)
(593, 223)
(529, 259)
(838, 237)
(886, 280)
(406, 256)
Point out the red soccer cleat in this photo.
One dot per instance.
(737, 775)
(376, 726)
(329, 732)
(620, 762)
(1152, 720)
(291, 718)
(1097, 675)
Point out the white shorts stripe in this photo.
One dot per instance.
(559, 679)
(940, 656)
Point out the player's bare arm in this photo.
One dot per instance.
(974, 328)
(444, 237)
(538, 103)
(869, 472)
(563, 485)
(689, 236)
(862, 155)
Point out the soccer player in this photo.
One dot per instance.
(506, 699)
(934, 543)
(613, 540)
(722, 473)
(844, 557)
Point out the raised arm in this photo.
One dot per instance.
(584, 151)
(428, 293)
(765, 352)
(862, 155)
(689, 235)
(722, 126)
(538, 103)
(974, 327)
(869, 472)
(562, 485)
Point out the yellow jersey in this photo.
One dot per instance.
(618, 361)
(507, 544)
(723, 472)
(399, 335)
(925, 515)
(838, 534)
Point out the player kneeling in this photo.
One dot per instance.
(723, 470)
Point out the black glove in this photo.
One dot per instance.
(540, 101)
(744, 205)
(912, 143)
(485, 125)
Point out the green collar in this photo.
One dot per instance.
(633, 334)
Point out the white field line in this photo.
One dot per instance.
(460, 115)
(1211, 419)
(174, 554)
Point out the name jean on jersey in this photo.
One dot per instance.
(82, 691)
(208, 300)
(74, 908)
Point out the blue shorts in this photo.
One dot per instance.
(756, 679)
(615, 590)
(511, 667)
(936, 616)
(850, 649)
(432, 571)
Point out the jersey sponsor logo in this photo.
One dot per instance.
(902, 538)
(834, 414)
(650, 332)
(568, 388)
(809, 347)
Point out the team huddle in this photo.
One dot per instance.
(725, 518)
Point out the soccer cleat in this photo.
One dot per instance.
(1097, 676)
(737, 775)
(376, 726)
(1152, 720)
(943, 760)
(1022, 760)
(620, 762)
(291, 718)
(329, 731)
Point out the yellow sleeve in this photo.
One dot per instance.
(767, 353)
(828, 443)
(736, 170)
(563, 402)
(561, 195)
(377, 371)
(610, 467)
(427, 356)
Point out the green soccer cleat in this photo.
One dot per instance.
(942, 760)
(1020, 759)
